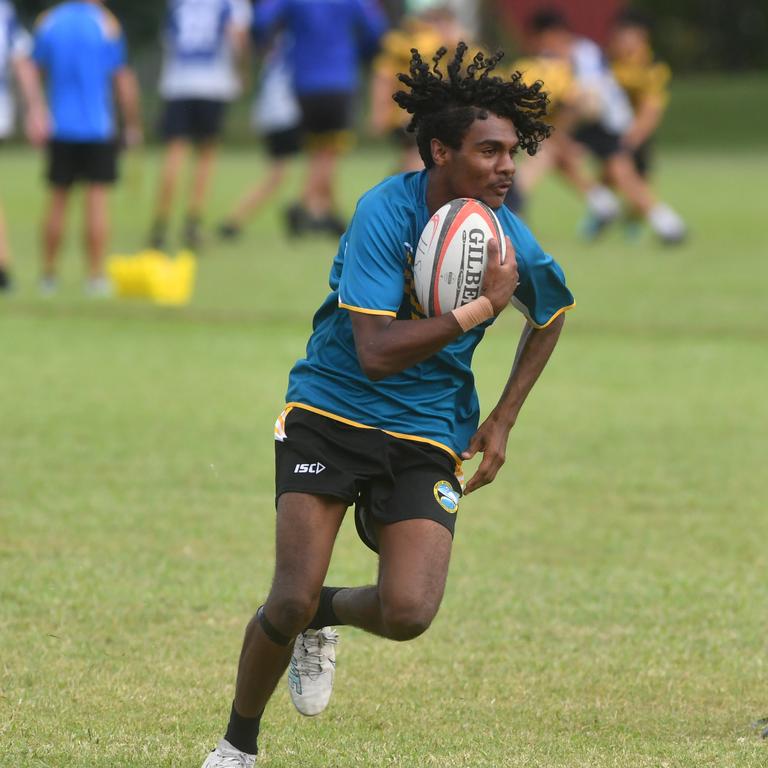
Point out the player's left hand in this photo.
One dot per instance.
(37, 126)
(490, 440)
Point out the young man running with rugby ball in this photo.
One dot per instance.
(383, 408)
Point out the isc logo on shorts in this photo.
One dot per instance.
(309, 469)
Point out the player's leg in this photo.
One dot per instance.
(53, 233)
(99, 171)
(413, 566)
(254, 198)
(326, 119)
(205, 120)
(62, 171)
(306, 531)
(202, 172)
(5, 255)
(96, 235)
(318, 186)
(281, 144)
(174, 157)
(663, 220)
(409, 521)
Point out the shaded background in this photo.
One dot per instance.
(692, 35)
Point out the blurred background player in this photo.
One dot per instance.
(15, 49)
(428, 27)
(331, 38)
(565, 111)
(606, 115)
(203, 41)
(646, 83)
(277, 117)
(81, 50)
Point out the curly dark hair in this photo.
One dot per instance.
(445, 107)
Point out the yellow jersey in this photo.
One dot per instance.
(643, 79)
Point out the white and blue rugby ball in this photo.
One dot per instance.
(450, 258)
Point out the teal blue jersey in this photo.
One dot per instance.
(434, 401)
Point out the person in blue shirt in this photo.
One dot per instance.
(80, 48)
(15, 49)
(382, 410)
(331, 38)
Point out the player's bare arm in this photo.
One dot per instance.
(37, 120)
(647, 119)
(533, 352)
(386, 346)
(127, 92)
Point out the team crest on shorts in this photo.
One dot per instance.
(446, 497)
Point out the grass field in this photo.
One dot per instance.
(606, 604)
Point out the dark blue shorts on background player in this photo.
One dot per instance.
(194, 119)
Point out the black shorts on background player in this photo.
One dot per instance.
(193, 119)
(326, 112)
(283, 143)
(601, 142)
(388, 478)
(94, 162)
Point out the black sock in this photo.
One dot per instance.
(242, 732)
(326, 616)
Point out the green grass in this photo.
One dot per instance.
(606, 604)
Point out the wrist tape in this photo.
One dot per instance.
(473, 313)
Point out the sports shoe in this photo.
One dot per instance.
(192, 236)
(98, 287)
(667, 224)
(48, 286)
(228, 230)
(602, 209)
(5, 280)
(227, 756)
(157, 235)
(311, 671)
(297, 220)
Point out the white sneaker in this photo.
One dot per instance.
(311, 671)
(602, 203)
(98, 287)
(226, 756)
(667, 224)
(48, 286)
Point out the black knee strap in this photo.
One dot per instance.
(270, 631)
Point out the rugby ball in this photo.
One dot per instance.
(450, 258)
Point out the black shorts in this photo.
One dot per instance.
(283, 143)
(601, 142)
(326, 112)
(193, 119)
(389, 479)
(94, 162)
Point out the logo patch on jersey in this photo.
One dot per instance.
(446, 497)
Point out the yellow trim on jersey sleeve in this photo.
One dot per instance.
(349, 422)
(365, 311)
(554, 317)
